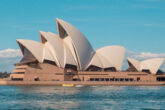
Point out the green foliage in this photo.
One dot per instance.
(4, 74)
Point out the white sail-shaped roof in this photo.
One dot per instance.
(47, 55)
(71, 47)
(135, 63)
(36, 48)
(152, 65)
(69, 59)
(96, 61)
(114, 54)
(99, 61)
(110, 56)
(55, 45)
(82, 48)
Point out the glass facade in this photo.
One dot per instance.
(112, 79)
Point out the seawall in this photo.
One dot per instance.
(59, 83)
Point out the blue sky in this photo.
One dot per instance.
(138, 25)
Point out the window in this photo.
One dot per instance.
(131, 79)
(75, 79)
(147, 71)
(112, 79)
(50, 62)
(17, 79)
(106, 79)
(112, 69)
(138, 79)
(121, 79)
(126, 79)
(72, 67)
(92, 79)
(116, 79)
(96, 79)
(102, 79)
(43, 39)
(36, 79)
(94, 68)
(62, 31)
(20, 73)
(160, 78)
(27, 57)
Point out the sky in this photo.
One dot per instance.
(138, 25)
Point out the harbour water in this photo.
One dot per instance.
(82, 98)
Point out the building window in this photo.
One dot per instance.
(131, 79)
(126, 79)
(49, 62)
(112, 79)
(111, 69)
(147, 71)
(92, 79)
(96, 79)
(20, 73)
(106, 79)
(72, 67)
(138, 79)
(160, 78)
(36, 79)
(116, 79)
(94, 68)
(75, 79)
(43, 39)
(121, 79)
(102, 79)
(17, 79)
(62, 32)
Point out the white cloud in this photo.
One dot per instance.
(150, 55)
(144, 55)
(8, 58)
(10, 53)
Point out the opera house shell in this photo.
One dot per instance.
(68, 56)
(70, 48)
(150, 65)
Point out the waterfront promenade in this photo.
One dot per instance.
(94, 83)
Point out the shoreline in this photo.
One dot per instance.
(60, 83)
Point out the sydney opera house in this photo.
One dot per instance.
(69, 57)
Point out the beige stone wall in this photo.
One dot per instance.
(48, 72)
(44, 72)
(16, 76)
(142, 75)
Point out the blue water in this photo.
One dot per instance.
(81, 98)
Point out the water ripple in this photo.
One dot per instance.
(82, 98)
